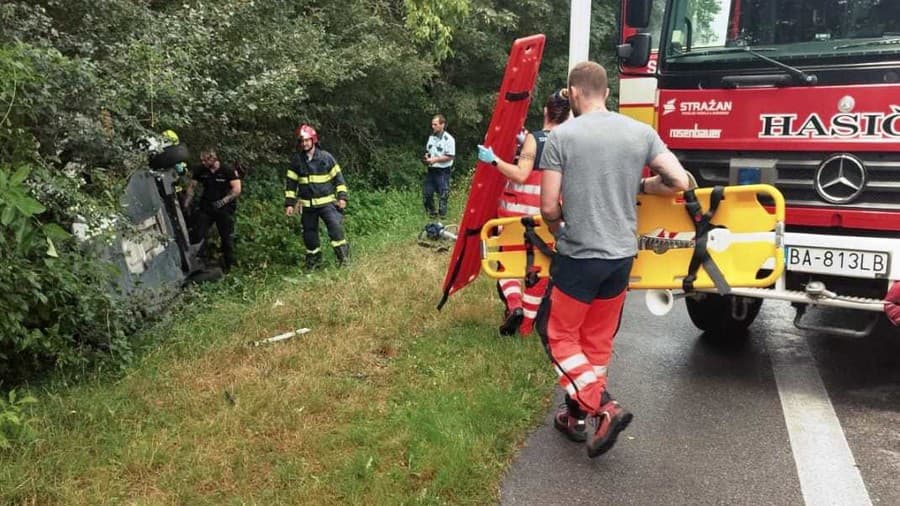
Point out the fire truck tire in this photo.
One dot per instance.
(715, 315)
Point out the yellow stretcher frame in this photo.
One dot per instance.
(752, 236)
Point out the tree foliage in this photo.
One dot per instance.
(81, 81)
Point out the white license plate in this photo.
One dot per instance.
(840, 262)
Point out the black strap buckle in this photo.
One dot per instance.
(702, 225)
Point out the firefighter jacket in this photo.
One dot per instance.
(314, 182)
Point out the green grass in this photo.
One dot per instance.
(386, 401)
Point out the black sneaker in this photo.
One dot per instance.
(513, 320)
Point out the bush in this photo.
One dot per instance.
(398, 168)
(14, 427)
(58, 301)
(265, 236)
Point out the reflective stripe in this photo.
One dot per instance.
(320, 178)
(585, 379)
(531, 314)
(338, 243)
(340, 188)
(290, 194)
(313, 251)
(600, 370)
(335, 170)
(511, 289)
(574, 361)
(303, 180)
(531, 299)
(531, 189)
(520, 208)
(570, 390)
(318, 202)
(292, 175)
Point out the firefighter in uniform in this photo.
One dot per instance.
(522, 197)
(316, 185)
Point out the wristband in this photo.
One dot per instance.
(494, 163)
(643, 181)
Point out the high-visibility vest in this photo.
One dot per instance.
(524, 199)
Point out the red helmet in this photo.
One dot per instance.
(305, 131)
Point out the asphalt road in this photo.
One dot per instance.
(789, 417)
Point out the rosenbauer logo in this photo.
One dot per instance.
(711, 107)
(844, 125)
(695, 133)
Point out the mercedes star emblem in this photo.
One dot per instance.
(841, 178)
(846, 104)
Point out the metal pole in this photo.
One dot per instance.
(579, 31)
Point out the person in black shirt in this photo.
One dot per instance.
(218, 203)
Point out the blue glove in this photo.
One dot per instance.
(486, 155)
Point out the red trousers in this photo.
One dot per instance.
(529, 301)
(580, 341)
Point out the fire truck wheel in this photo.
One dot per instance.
(723, 317)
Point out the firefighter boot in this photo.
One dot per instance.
(569, 420)
(342, 253)
(313, 260)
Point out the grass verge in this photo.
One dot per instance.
(385, 401)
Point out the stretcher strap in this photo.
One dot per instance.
(533, 240)
(514, 96)
(703, 224)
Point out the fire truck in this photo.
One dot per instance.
(800, 94)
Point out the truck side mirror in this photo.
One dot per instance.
(637, 13)
(635, 52)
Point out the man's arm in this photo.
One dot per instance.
(291, 184)
(340, 186)
(438, 159)
(551, 210)
(670, 176)
(233, 193)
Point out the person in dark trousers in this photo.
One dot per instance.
(592, 176)
(218, 202)
(315, 188)
(440, 150)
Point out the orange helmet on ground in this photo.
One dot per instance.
(305, 131)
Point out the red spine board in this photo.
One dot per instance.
(487, 184)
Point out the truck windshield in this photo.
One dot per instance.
(707, 32)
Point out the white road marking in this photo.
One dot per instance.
(825, 464)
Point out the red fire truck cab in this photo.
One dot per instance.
(800, 94)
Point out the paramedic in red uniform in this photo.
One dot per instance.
(592, 175)
(522, 197)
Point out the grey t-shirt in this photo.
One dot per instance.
(601, 156)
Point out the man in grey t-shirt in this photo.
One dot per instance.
(592, 175)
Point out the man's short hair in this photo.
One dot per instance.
(209, 153)
(441, 119)
(590, 78)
